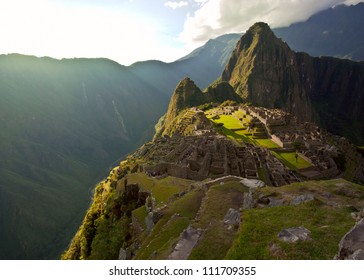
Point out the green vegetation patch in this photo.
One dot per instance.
(257, 237)
(234, 129)
(229, 122)
(267, 143)
(165, 233)
(140, 214)
(217, 238)
(162, 189)
(109, 238)
(289, 159)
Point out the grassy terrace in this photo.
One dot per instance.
(261, 227)
(235, 129)
(289, 160)
(258, 233)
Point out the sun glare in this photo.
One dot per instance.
(45, 28)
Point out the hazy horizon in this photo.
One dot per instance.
(128, 31)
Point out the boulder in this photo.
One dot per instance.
(293, 235)
(351, 246)
(232, 217)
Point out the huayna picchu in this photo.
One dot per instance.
(225, 178)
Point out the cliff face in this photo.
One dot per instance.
(264, 70)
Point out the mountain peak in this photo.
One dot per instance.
(186, 86)
(265, 71)
(258, 44)
(260, 28)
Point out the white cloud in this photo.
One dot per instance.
(217, 17)
(175, 5)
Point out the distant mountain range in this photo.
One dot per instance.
(337, 32)
(63, 122)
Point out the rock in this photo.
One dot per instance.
(124, 254)
(292, 235)
(151, 219)
(252, 183)
(351, 245)
(357, 255)
(188, 240)
(249, 200)
(357, 215)
(302, 198)
(232, 217)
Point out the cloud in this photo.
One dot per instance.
(175, 5)
(50, 28)
(217, 17)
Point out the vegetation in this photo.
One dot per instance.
(167, 230)
(217, 238)
(290, 160)
(235, 129)
(257, 237)
(261, 227)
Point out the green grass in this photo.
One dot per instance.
(140, 214)
(261, 227)
(235, 130)
(229, 122)
(267, 143)
(327, 224)
(161, 189)
(289, 160)
(167, 230)
(216, 238)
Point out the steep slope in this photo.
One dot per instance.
(337, 32)
(265, 71)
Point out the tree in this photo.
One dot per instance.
(296, 145)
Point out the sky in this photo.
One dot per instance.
(127, 31)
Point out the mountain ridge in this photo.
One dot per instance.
(264, 70)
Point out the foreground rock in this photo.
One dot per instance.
(293, 235)
(188, 240)
(351, 246)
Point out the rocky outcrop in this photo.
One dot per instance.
(293, 235)
(351, 246)
(264, 70)
(232, 217)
